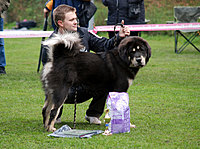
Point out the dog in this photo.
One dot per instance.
(101, 73)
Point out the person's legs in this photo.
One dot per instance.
(81, 94)
(2, 51)
(96, 109)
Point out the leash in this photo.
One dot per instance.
(115, 40)
(75, 103)
(122, 25)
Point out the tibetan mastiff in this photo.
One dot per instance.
(69, 67)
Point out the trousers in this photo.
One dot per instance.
(96, 107)
(2, 50)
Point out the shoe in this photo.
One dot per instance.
(132, 126)
(93, 120)
(2, 70)
(58, 121)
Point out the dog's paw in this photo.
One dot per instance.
(51, 129)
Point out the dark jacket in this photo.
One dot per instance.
(91, 41)
(131, 11)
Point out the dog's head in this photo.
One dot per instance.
(134, 51)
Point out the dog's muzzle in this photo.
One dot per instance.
(138, 62)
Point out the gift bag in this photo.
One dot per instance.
(118, 105)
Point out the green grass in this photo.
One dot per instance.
(164, 102)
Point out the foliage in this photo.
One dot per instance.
(30, 10)
(161, 11)
(164, 102)
(156, 11)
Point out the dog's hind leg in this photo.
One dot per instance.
(58, 98)
(52, 119)
(44, 109)
(48, 106)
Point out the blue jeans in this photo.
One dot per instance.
(2, 51)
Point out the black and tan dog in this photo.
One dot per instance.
(106, 72)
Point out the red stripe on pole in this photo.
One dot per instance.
(144, 27)
(153, 27)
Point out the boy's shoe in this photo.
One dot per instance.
(93, 120)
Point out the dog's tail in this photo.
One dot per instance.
(67, 44)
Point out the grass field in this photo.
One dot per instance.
(164, 102)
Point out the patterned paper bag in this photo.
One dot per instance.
(118, 105)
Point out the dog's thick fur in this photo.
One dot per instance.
(101, 73)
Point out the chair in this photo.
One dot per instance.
(186, 14)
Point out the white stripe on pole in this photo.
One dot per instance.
(24, 34)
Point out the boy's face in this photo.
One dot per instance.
(70, 22)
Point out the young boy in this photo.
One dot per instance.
(65, 19)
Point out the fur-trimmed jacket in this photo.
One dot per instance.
(4, 4)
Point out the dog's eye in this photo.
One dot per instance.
(138, 47)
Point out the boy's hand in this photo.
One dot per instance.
(124, 31)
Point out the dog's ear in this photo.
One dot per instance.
(123, 50)
(148, 48)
